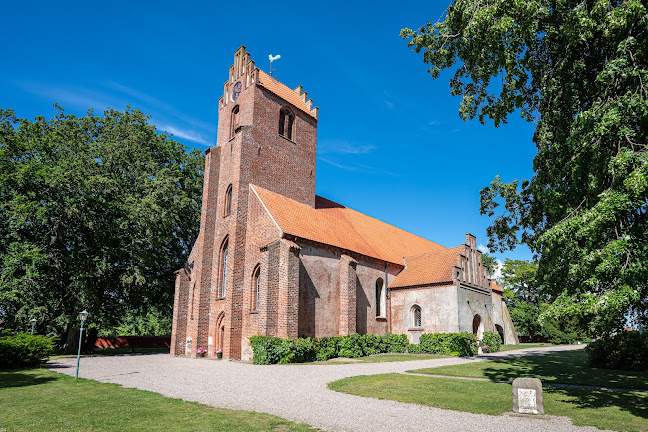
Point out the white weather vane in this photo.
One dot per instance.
(273, 58)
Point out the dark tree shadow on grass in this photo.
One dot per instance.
(566, 368)
(632, 402)
(9, 379)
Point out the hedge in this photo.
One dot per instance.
(492, 340)
(453, 344)
(627, 350)
(273, 350)
(24, 350)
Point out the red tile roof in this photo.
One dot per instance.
(336, 225)
(284, 92)
(496, 288)
(428, 268)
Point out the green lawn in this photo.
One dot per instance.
(567, 367)
(602, 409)
(524, 345)
(41, 400)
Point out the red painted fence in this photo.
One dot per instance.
(133, 342)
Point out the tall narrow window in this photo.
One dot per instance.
(381, 305)
(235, 121)
(286, 123)
(416, 318)
(256, 287)
(223, 267)
(227, 208)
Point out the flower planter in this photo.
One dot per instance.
(219, 356)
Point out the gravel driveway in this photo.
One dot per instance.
(299, 392)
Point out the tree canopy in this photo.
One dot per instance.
(97, 212)
(579, 69)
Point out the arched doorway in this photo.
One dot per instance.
(478, 327)
(220, 332)
(500, 330)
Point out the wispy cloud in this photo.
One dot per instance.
(183, 133)
(434, 123)
(498, 263)
(357, 167)
(344, 147)
(164, 116)
(75, 96)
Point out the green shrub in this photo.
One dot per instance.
(393, 343)
(414, 349)
(370, 344)
(453, 344)
(266, 349)
(24, 350)
(627, 350)
(304, 350)
(327, 347)
(492, 340)
(350, 346)
(273, 350)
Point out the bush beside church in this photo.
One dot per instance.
(274, 350)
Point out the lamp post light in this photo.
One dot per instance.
(33, 323)
(82, 316)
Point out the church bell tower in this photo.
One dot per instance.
(267, 136)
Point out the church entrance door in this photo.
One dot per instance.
(478, 327)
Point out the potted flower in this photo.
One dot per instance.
(484, 349)
(200, 352)
(219, 353)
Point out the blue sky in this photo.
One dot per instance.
(390, 140)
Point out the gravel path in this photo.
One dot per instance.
(299, 392)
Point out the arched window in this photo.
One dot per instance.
(227, 208)
(223, 267)
(256, 287)
(234, 121)
(416, 317)
(286, 123)
(381, 298)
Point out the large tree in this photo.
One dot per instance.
(96, 213)
(579, 69)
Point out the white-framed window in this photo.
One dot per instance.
(416, 317)
(381, 299)
(223, 267)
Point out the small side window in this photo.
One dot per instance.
(227, 205)
(286, 123)
(234, 121)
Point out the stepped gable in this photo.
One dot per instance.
(427, 269)
(496, 288)
(297, 97)
(336, 225)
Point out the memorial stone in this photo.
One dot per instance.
(527, 396)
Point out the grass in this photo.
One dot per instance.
(524, 345)
(603, 409)
(41, 400)
(567, 367)
(379, 358)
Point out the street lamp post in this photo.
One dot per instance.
(82, 316)
(33, 323)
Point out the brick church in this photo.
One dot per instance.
(272, 258)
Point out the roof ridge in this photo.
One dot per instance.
(434, 252)
(379, 220)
